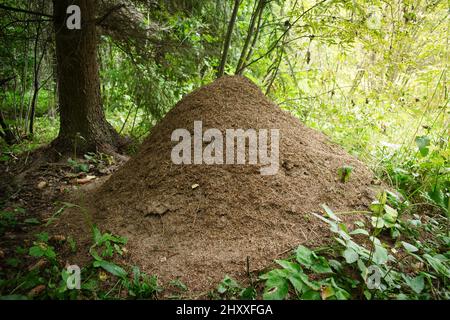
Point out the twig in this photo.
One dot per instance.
(25, 11)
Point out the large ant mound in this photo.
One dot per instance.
(199, 222)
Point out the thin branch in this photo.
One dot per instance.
(274, 46)
(25, 11)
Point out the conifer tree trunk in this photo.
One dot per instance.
(82, 119)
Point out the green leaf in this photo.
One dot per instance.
(95, 255)
(36, 251)
(409, 247)
(290, 266)
(311, 284)
(350, 255)
(297, 283)
(83, 167)
(341, 294)
(276, 288)
(422, 143)
(97, 235)
(380, 255)
(321, 265)
(376, 207)
(391, 212)
(111, 268)
(390, 217)
(304, 256)
(311, 295)
(247, 293)
(417, 284)
(362, 267)
(345, 173)
(227, 284)
(377, 222)
(437, 265)
(276, 273)
(359, 231)
(330, 213)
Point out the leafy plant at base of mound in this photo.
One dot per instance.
(360, 265)
(47, 277)
(230, 289)
(140, 285)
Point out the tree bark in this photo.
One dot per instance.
(83, 126)
(7, 133)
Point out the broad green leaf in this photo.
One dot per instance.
(97, 235)
(341, 294)
(304, 256)
(276, 288)
(417, 284)
(297, 283)
(362, 267)
(111, 268)
(350, 255)
(226, 284)
(95, 255)
(326, 292)
(376, 207)
(437, 265)
(321, 265)
(311, 295)
(311, 284)
(391, 212)
(359, 231)
(36, 251)
(330, 213)
(380, 255)
(247, 293)
(377, 222)
(276, 273)
(409, 247)
(290, 266)
(422, 143)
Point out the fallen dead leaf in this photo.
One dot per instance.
(195, 186)
(326, 292)
(58, 238)
(38, 265)
(103, 276)
(36, 290)
(85, 180)
(41, 185)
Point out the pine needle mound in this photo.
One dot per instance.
(201, 222)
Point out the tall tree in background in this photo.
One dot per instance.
(83, 121)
